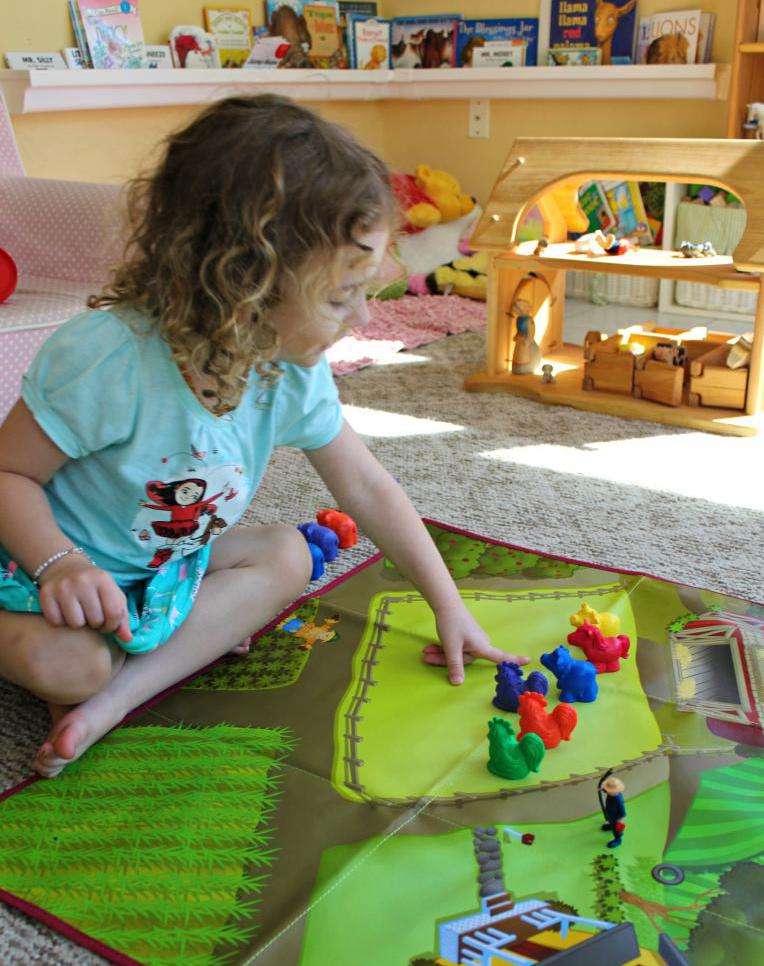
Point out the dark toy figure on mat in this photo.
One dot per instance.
(250, 251)
(610, 791)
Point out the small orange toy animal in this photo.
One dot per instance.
(343, 525)
(552, 727)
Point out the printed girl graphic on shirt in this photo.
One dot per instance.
(184, 500)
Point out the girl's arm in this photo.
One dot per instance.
(72, 591)
(365, 490)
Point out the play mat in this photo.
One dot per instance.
(326, 799)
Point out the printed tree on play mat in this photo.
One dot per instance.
(733, 920)
(155, 842)
(274, 661)
(464, 556)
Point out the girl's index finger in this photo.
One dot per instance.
(123, 632)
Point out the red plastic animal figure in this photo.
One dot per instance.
(603, 652)
(552, 727)
(343, 525)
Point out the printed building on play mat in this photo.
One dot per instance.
(718, 662)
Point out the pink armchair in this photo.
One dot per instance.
(63, 236)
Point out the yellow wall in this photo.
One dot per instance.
(113, 145)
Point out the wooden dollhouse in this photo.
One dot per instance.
(546, 173)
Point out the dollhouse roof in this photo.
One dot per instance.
(548, 171)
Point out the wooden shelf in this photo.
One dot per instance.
(568, 391)
(644, 262)
(754, 48)
(28, 91)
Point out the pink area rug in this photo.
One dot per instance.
(405, 323)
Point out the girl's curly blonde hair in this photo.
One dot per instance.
(253, 189)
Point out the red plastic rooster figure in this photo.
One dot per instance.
(552, 727)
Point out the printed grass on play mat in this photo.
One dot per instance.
(326, 798)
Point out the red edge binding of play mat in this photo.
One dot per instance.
(113, 955)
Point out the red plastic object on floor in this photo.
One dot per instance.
(9, 275)
(343, 525)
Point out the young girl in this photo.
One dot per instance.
(146, 423)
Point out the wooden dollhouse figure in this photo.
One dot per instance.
(526, 354)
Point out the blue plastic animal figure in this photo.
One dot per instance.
(322, 537)
(577, 680)
(510, 685)
(317, 557)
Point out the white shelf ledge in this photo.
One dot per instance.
(29, 91)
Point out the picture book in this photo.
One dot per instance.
(33, 60)
(595, 206)
(642, 41)
(74, 59)
(346, 8)
(578, 23)
(267, 52)
(500, 53)
(369, 43)
(574, 56)
(472, 34)
(674, 37)
(232, 29)
(192, 47)
(79, 32)
(159, 57)
(322, 23)
(114, 33)
(424, 41)
(625, 201)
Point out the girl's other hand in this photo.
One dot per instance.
(462, 640)
(74, 593)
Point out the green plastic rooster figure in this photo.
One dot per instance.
(508, 757)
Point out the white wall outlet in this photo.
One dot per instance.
(480, 118)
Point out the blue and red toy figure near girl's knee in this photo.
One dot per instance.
(333, 531)
(610, 791)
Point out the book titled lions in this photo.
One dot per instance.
(595, 23)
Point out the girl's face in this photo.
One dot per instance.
(306, 335)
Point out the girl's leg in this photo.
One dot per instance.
(254, 573)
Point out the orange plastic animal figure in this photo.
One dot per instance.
(343, 525)
(552, 727)
(603, 652)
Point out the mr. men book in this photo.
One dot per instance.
(595, 23)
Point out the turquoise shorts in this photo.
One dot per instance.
(156, 608)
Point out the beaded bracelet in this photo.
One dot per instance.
(56, 556)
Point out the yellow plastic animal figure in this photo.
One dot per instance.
(608, 622)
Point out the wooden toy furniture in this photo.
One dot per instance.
(546, 173)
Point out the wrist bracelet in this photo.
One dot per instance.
(57, 556)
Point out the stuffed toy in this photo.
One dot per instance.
(445, 192)
(465, 276)
(419, 210)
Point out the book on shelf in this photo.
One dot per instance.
(369, 42)
(114, 33)
(594, 205)
(266, 52)
(428, 41)
(582, 23)
(192, 47)
(625, 201)
(79, 32)
(232, 29)
(74, 59)
(347, 7)
(705, 38)
(159, 57)
(474, 35)
(322, 23)
(34, 60)
(673, 36)
(500, 53)
(574, 56)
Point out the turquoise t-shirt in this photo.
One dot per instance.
(153, 474)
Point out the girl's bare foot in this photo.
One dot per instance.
(74, 730)
(57, 711)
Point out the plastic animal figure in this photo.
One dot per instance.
(508, 757)
(604, 652)
(607, 16)
(552, 727)
(577, 680)
(510, 685)
(608, 622)
(343, 525)
(322, 537)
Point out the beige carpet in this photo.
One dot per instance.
(681, 505)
